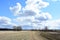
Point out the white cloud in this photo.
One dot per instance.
(43, 16)
(35, 5)
(27, 13)
(32, 6)
(25, 20)
(6, 22)
(52, 24)
(16, 9)
(31, 14)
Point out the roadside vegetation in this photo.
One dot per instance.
(51, 35)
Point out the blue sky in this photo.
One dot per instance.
(53, 8)
(4, 8)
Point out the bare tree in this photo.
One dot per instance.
(46, 28)
(17, 28)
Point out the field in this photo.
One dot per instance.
(23, 35)
(19, 35)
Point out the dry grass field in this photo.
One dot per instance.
(20, 35)
(28, 35)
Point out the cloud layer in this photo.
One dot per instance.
(31, 14)
(53, 24)
(6, 22)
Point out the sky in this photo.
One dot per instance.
(29, 14)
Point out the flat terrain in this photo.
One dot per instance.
(29, 35)
(20, 35)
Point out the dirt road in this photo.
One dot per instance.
(20, 35)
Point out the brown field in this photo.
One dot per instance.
(20, 35)
(23, 35)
